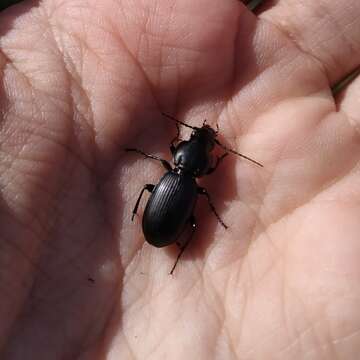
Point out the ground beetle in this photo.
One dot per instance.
(171, 204)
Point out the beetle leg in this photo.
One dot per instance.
(148, 187)
(203, 191)
(176, 138)
(165, 163)
(192, 221)
(218, 160)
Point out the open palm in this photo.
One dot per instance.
(82, 80)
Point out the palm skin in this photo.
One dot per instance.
(81, 80)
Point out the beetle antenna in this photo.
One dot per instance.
(178, 121)
(236, 153)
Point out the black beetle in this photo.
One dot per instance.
(172, 201)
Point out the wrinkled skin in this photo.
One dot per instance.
(81, 80)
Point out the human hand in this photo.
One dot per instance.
(81, 80)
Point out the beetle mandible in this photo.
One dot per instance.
(172, 201)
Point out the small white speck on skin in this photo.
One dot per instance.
(108, 271)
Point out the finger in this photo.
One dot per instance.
(327, 30)
(269, 69)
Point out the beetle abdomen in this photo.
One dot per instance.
(169, 208)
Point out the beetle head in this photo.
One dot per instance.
(205, 135)
(208, 135)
